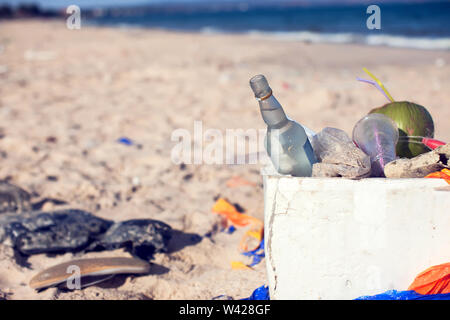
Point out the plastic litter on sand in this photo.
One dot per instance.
(238, 219)
(261, 293)
(443, 174)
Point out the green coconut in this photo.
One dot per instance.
(412, 120)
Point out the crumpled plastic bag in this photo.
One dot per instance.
(434, 280)
(405, 295)
(431, 284)
(256, 231)
(443, 174)
(338, 156)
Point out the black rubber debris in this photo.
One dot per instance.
(141, 237)
(30, 231)
(76, 230)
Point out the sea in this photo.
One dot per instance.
(421, 25)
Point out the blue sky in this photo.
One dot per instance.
(97, 3)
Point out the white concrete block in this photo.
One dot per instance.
(335, 238)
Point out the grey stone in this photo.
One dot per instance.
(338, 156)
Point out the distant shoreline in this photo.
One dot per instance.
(427, 30)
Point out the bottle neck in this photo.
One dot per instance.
(272, 112)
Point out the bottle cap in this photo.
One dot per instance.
(260, 86)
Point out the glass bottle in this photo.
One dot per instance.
(286, 141)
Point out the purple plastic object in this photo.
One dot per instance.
(377, 135)
(375, 84)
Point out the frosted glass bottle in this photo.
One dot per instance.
(286, 141)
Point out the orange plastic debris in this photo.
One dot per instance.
(257, 233)
(443, 174)
(237, 265)
(236, 181)
(226, 209)
(434, 280)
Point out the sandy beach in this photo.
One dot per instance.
(67, 96)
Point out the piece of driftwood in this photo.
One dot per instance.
(420, 166)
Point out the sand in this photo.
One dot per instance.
(66, 96)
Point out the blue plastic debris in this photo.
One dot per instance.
(261, 293)
(125, 141)
(231, 229)
(256, 254)
(405, 295)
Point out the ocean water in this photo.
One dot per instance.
(419, 25)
